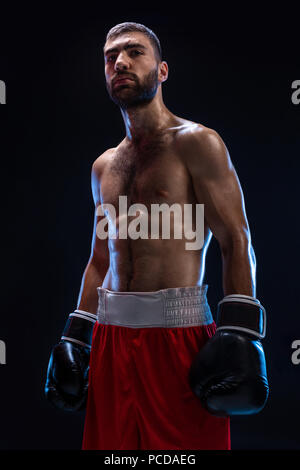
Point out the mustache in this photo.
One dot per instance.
(123, 75)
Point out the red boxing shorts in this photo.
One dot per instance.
(142, 349)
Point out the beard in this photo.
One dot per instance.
(136, 93)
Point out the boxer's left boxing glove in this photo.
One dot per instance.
(229, 373)
(67, 376)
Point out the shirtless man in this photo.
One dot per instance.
(142, 340)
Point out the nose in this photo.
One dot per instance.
(122, 62)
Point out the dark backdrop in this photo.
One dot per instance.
(230, 70)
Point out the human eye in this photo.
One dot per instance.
(111, 58)
(136, 52)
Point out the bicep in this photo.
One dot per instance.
(217, 186)
(99, 249)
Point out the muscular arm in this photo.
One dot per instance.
(98, 263)
(216, 185)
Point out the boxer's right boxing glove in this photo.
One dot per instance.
(67, 376)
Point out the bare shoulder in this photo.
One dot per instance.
(202, 148)
(192, 133)
(97, 171)
(101, 161)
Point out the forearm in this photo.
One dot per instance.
(92, 278)
(239, 268)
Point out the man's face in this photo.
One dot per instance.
(131, 70)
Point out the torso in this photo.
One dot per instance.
(152, 175)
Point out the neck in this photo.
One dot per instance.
(145, 122)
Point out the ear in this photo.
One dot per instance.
(163, 71)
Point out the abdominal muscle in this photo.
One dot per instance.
(151, 265)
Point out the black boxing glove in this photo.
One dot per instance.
(67, 376)
(229, 373)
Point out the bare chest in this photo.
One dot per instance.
(150, 178)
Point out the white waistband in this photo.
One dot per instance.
(172, 307)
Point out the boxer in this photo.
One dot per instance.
(142, 346)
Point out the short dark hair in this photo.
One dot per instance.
(129, 27)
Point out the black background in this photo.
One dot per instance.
(231, 70)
